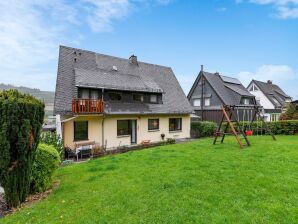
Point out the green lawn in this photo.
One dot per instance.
(193, 182)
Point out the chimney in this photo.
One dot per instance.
(133, 59)
(202, 68)
(269, 81)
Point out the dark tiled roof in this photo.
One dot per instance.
(272, 92)
(114, 80)
(78, 67)
(229, 90)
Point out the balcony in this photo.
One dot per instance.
(87, 106)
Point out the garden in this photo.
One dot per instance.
(189, 182)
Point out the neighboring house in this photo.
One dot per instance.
(271, 97)
(294, 102)
(211, 90)
(117, 102)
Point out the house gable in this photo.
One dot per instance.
(261, 98)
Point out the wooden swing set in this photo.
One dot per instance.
(229, 116)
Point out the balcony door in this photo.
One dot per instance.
(133, 137)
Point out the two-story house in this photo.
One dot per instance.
(271, 97)
(211, 90)
(115, 102)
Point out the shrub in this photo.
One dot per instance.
(202, 128)
(46, 162)
(51, 138)
(171, 141)
(21, 118)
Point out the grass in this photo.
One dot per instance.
(194, 182)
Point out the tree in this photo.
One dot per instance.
(291, 113)
(21, 118)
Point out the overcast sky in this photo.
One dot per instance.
(240, 38)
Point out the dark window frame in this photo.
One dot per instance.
(150, 128)
(120, 94)
(128, 129)
(175, 124)
(138, 94)
(86, 136)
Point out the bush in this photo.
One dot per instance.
(47, 160)
(171, 141)
(21, 118)
(51, 138)
(277, 127)
(202, 129)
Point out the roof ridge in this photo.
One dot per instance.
(111, 56)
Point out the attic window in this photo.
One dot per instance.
(153, 99)
(115, 96)
(245, 101)
(137, 97)
(254, 88)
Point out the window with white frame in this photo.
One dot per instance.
(153, 98)
(245, 101)
(207, 102)
(253, 88)
(274, 117)
(197, 102)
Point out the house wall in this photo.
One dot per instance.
(110, 129)
(214, 100)
(94, 130)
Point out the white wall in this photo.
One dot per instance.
(264, 101)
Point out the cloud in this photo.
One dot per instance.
(285, 9)
(221, 9)
(280, 74)
(31, 31)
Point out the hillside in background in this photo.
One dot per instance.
(46, 96)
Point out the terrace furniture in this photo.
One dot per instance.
(69, 153)
(84, 149)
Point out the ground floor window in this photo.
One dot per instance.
(274, 117)
(80, 130)
(123, 127)
(153, 124)
(175, 124)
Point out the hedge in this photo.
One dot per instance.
(202, 129)
(277, 127)
(21, 118)
(47, 160)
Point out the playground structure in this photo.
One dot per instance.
(231, 114)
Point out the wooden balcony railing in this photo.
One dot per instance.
(83, 106)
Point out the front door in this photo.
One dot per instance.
(133, 138)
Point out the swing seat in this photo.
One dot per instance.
(248, 132)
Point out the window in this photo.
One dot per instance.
(137, 97)
(123, 127)
(175, 124)
(80, 130)
(207, 101)
(246, 101)
(84, 94)
(197, 102)
(153, 98)
(115, 96)
(274, 117)
(94, 94)
(153, 124)
(253, 88)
